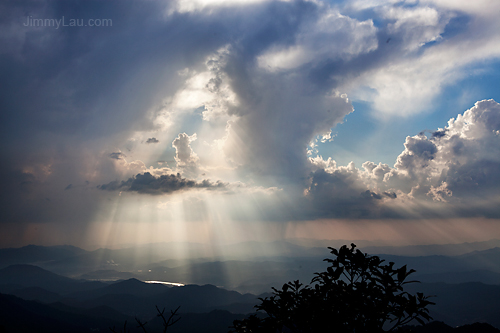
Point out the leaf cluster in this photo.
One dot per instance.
(356, 293)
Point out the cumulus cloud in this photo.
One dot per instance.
(455, 172)
(148, 184)
(152, 140)
(274, 118)
(186, 158)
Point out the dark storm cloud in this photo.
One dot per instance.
(164, 184)
(337, 195)
(343, 194)
(117, 155)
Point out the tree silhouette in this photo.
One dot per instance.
(357, 293)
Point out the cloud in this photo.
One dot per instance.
(186, 159)
(152, 140)
(272, 119)
(146, 183)
(453, 173)
(332, 35)
(258, 93)
(341, 193)
(117, 155)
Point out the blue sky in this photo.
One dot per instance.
(361, 126)
(211, 121)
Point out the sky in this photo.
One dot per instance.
(126, 122)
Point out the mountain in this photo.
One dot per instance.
(254, 249)
(126, 259)
(259, 276)
(96, 302)
(127, 304)
(107, 275)
(25, 276)
(36, 294)
(136, 261)
(461, 304)
(216, 321)
(195, 298)
(440, 327)
(244, 276)
(477, 260)
(433, 249)
(35, 254)
(377, 247)
(480, 275)
(134, 297)
(21, 316)
(489, 259)
(129, 287)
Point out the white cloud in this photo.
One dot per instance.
(331, 36)
(478, 7)
(415, 27)
(415, 71)
(186, 158)
(184, 6)
(454, 170)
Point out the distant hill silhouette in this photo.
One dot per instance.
(456, 304)
(22, 316)
(126, 259)
(486, 258)
(480, 275)
(266, 263)
(465, 303)
(128, 304)
(440, 327)
(33, 254)
(129, 287)
(36, 294)
(251, 276)
(25, 276)
(107, 274)
(483, 262)
(433, 249)
(134, 297)
(195, 298)
(216, 321)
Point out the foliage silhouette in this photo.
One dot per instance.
(357, 293)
